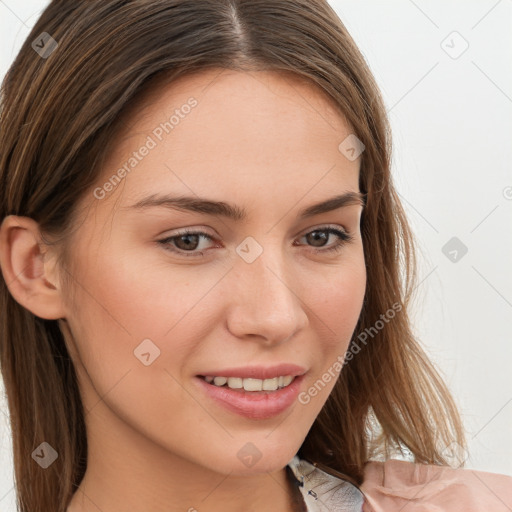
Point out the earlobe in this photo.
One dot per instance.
(28, 274)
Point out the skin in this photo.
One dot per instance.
(269, 144)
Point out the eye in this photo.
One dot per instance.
(318, 237)
(187, 242)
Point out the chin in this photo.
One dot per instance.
(267, 459)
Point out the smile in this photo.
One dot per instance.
(250, 384)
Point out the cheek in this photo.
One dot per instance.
(339, 299)
(127, 300)
(337, 307)
(140, 297)
(120, 307)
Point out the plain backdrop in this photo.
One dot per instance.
(444, 69)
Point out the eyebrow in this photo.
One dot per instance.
(234, 212)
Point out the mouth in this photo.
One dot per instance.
(248, 384)
(256, 399)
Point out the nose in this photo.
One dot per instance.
(264, 304)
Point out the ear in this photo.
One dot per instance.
(28, 272)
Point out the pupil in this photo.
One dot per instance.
(186, 240)
(318, 236)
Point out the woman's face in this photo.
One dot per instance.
(256, 284)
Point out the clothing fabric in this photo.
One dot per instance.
(397, 485)
(322, 492)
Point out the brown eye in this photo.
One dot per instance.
(185, 243)
(319, 237)
(188, 242)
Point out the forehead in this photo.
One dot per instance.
(258, 132)
(218, 86)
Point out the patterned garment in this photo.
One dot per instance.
(322, 492)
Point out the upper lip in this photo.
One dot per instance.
(258, 372)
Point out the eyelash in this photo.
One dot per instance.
(343, 236)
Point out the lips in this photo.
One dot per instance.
(254, 405)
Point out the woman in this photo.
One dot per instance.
(207, 271)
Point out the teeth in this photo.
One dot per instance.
(287, 380)
(251, 384)
(235, 383)
(220, 381)
(270, 384)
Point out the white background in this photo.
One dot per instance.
(452, 127)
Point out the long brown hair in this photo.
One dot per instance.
(57, 111)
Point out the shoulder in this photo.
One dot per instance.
(389, 486)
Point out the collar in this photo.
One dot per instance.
(323, 492)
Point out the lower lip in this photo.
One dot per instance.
(256, 405)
